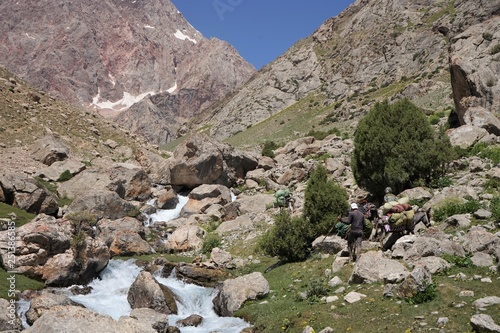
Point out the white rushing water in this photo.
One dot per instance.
(109, 293)
(110, 290)
(109, 296)
(167, 214)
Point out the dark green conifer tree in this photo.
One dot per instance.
(324, 201)
(394, 145)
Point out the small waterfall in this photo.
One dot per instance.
(167, 214)
(23, 306)
(109, 293)
(198, 300)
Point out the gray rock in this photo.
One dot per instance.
(353, 297)
(49, 149)
(486, 301)
(482, 259)
(233, 293)
(9, 321)
(146, 292)
(329, 244)
(483, 323)
(74, 318)
(43, 302)
(103, 204)
(373, 267)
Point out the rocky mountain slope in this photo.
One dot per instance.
(372, 51)
(28, 114)
(107, 55)
(90, 188)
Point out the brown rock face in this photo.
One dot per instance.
(109, 54)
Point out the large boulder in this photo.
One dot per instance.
(233, 293)
(77, 319)
(203, 160)
(45, 301)
(103, 204)
(49, 149)
(433, 243)
(205, 196)
(129, 181)
(479, 239)
(185, 238)
(146, 292)
(372, 267)
(416, 282)
(9, 321)
(49, 250)
(58, 168)
(78, 265)
(124, 237)
(202, 276)
(37, 241)
(25, 193)
(473, 69)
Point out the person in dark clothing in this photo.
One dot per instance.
(357, 221)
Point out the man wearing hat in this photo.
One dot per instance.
(356, 220)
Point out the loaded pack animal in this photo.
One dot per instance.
(384, 226)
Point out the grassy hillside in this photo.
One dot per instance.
(27, 114)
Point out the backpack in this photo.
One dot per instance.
(281, 197)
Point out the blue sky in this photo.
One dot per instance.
(260, 30)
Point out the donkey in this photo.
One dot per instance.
(385, 228)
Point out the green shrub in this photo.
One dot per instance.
(492, 153)
(210, 242)
(287, 239)
(492, 185)
(434, 119)
(487, 36)
(82, 217)
(394, 145)
(495, 49)
(320, 135)
(212, 224)
(458, 260)
(441, 182)
(49, 186)
(268, 149)
(453, 206)
(64, 201)
(133, 212)
(66, 175)
(316, 289)
(428, 294)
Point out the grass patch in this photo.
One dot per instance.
(282, 311)
(288, 124)
(23, 217)
(21, 283)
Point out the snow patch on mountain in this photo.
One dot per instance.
(179, 34)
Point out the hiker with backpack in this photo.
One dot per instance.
(356, 220)
(283, 199)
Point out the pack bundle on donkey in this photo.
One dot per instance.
(401, 217)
